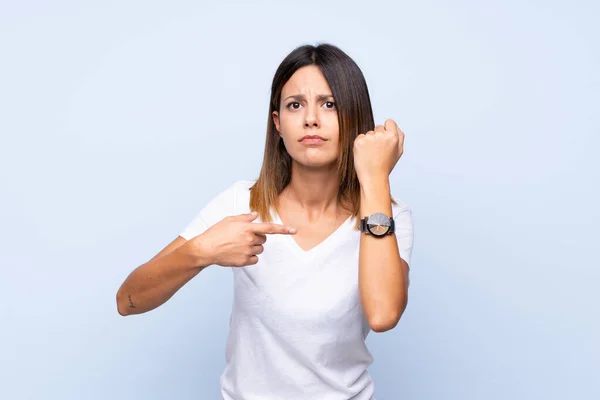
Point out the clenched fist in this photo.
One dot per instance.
(377, 152)
(236, 241)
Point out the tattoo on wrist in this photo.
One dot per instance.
(130, 302)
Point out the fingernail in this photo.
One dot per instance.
(292, 230)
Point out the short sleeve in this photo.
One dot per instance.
(219, 207)
(404, 231)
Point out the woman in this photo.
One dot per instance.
(335, 264)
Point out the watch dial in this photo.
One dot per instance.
(378, 224)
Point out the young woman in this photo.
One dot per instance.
(336, 262)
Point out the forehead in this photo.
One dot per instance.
(306, 80)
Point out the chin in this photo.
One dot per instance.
(315, 162)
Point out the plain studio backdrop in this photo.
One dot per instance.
(120, 120)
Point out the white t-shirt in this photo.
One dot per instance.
(297, 329)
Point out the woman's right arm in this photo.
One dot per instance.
(156, 281)
(234, 241)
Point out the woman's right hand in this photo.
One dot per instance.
(235, 241)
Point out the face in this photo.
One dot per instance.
(308, 109)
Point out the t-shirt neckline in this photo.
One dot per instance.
(326, 244)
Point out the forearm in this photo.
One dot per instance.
(152, 284)
(382, 273)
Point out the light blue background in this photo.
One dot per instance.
(119, 120)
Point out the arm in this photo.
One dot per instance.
(153, 283)
(233, 241)
(383, 275)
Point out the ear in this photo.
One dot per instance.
(276, 121)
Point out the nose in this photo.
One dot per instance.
(311, 119)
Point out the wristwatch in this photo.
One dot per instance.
(377, 224)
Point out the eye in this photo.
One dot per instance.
(331, 103)
(291, 104)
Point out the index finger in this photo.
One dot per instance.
(271, 228)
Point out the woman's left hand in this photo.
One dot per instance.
(377, 152)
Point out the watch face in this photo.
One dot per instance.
(378, 224)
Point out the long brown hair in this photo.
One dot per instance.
(355, 116)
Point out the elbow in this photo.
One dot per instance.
(383, 324)
(122, 311)
(122, 308)
(386, 321)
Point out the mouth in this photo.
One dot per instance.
(312, 139)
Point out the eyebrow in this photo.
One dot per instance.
(300, 97)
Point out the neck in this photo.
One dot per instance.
(313, 191)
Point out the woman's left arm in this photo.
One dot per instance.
(383, 274)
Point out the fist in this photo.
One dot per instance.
(377, 152)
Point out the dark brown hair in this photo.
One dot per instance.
(355, 116)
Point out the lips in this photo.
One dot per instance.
(311, 138)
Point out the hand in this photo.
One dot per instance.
(235, 241)
(377, 152)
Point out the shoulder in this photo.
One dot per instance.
(231, 200)
(400, 208)
(227, 201)
(236, 188)
(243, 185)
(241, 189)
(402, 214)
(239, 192)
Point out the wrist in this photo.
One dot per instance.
(199, 252)
(374, 185)
(375, 196)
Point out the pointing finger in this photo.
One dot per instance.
(270, 228)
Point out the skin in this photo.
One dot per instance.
(311, 115)
(308, 207)
(309, 202)
(382, 273)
